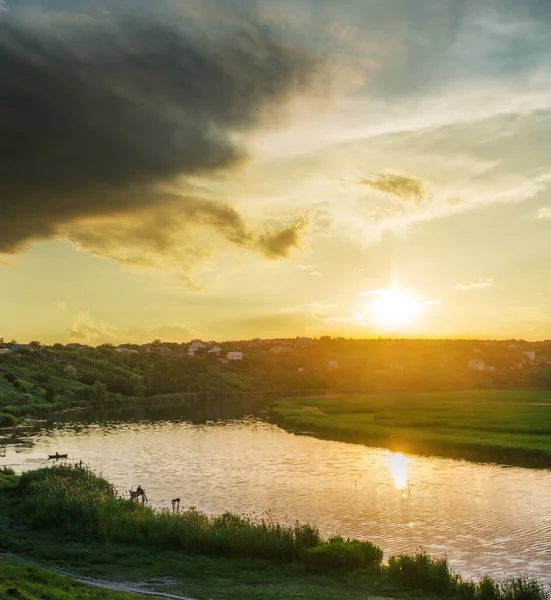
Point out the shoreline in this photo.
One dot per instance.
(67, 517)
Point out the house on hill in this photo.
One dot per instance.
(476, 364)
(234, 356)
(279, 349)
(195, 345)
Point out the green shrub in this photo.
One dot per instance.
(7, 420)
(340, 555)
(420, 571)
(522, 588)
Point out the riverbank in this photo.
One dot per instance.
(509, 427)
(68, 517)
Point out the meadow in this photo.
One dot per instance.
(503, 426)
(67, 515)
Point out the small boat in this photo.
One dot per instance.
(57, 455)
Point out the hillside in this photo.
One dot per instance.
(41, 379)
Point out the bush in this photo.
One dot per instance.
(7, 420)
(42, 377)
(421, 572)
(521, 588)
(340, 555)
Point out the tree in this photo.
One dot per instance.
(50, 394)
(70, 372)
(140, 390)
(34, 344)
(98, 391)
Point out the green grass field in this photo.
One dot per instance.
(504, 426)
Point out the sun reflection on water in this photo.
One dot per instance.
(397, 464)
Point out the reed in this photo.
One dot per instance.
(77, 501)
(422, 572)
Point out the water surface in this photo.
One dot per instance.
(486, 518)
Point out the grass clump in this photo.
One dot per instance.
(422, 572)
(434, 575)
(338, 554)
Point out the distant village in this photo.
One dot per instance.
(483, 355)
(35, 374)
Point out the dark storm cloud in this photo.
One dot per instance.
(91, 127)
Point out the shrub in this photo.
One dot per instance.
(9, 376)
(420, 571)
(340, 555)
(522, 588)
(42, 377)
(7, 420)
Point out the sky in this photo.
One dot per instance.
(263, 168)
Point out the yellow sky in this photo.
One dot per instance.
(400, 149)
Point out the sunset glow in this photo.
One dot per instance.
(292, 159)
(393, 309)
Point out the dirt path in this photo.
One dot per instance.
(117, 586)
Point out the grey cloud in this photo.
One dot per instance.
(165, 235)
(92, 127)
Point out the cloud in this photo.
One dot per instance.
(95, 331)
(277, 245)
(102, 126)
(474, 285)
(4, 5)
(544, 213)
(90, 331)
(176, 235)
(401, 186)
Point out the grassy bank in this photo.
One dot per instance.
(509, 427)
(96, 532)
(29, 583)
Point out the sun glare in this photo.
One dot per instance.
(392, 309)
(397, 464)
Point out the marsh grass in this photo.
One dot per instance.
(77, 501)
(434, 575)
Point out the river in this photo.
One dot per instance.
(487, 519)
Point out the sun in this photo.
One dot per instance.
(392, 309)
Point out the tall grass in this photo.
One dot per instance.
(75, 500)
(422, 572)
